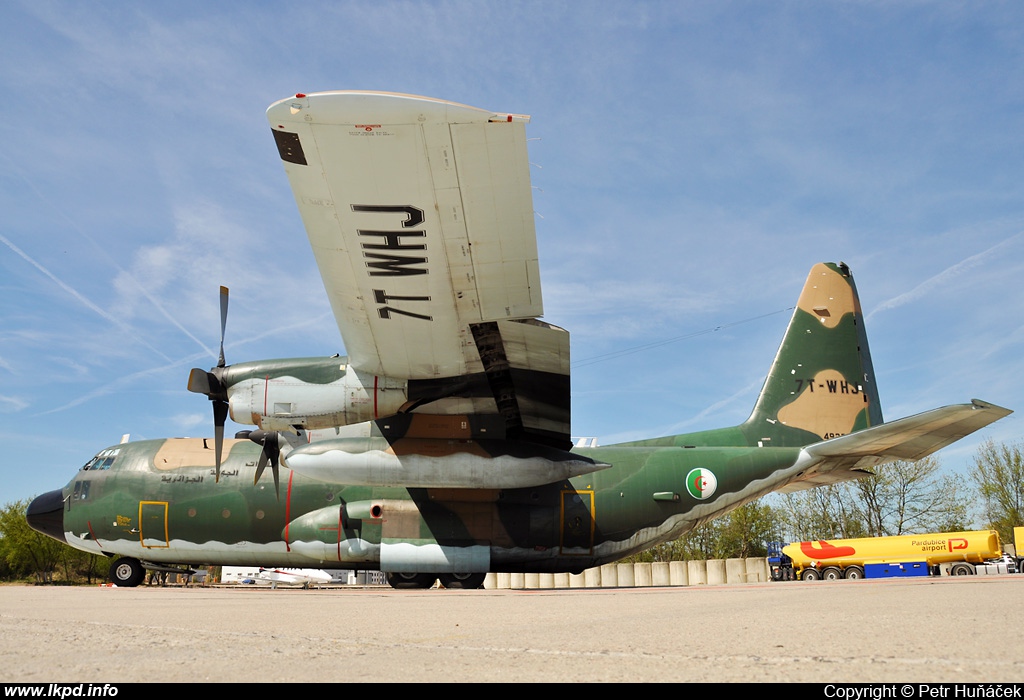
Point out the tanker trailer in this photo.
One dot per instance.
(955, 553)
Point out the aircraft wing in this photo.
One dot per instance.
(420, 215)
(852, 456)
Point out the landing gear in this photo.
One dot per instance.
(405, 580)
(127, 572)
(464, 581)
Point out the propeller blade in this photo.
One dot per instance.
(270, 454)
(210, 385)
(199, 381)
(260, 466)
(223, 322)
(220, 414)
(274, 455)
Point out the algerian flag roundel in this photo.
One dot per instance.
(701, 483)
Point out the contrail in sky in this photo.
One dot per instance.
(947, 274)
(70, 290)
(110, 387)
(142, 289)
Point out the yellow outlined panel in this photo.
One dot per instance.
(153, 524)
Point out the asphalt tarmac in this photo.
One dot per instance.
(956, 630)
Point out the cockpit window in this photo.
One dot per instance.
(103, 460)
(81, 491)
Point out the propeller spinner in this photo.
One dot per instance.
(209, 384)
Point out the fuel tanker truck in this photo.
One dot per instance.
(933, 554)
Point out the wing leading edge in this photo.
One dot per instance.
(852, 456)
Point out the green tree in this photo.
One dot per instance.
(745, 531)
(27, 552)
(904, 497)
(999, 475)
(820, 513)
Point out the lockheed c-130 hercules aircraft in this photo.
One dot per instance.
(439, 447)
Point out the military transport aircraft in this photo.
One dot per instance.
(439, 447)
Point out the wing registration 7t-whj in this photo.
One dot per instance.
(439, 447)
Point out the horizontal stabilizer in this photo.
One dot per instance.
(852, 456)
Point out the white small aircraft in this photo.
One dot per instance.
(305, 577)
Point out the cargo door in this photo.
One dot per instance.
(153, 524)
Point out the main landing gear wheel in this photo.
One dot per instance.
(127, 572)
(406, 580)
(464, 581)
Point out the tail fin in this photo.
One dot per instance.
(821, 384)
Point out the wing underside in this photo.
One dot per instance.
(420, 216)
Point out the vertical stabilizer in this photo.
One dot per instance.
(821, 384)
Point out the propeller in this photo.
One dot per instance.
(271, 454)
(209, 384)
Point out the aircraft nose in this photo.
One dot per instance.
(45, 514)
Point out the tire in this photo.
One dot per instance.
(407, 581)
(961, 570)
(127, 572)
(463, 581)
(810, 575)
(831, 573)
(853, 573)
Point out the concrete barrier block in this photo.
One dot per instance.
(592, 577)
(624, 572)
(643, 574)
(735, 571)
(677, 572)
(660, 574)
(531, 581)
(503, 580)
(716, 571)
(697, 572)
(609, 576)
(757, 569)
(517, 581)
(545, 581)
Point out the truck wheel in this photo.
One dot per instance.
(810, 575)
(853, 573)
(961, 570)
(831, 573)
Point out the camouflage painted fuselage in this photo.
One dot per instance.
(158, 502)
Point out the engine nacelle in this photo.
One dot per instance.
(310, 393)
(436, 463)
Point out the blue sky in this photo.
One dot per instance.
(692, 160)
